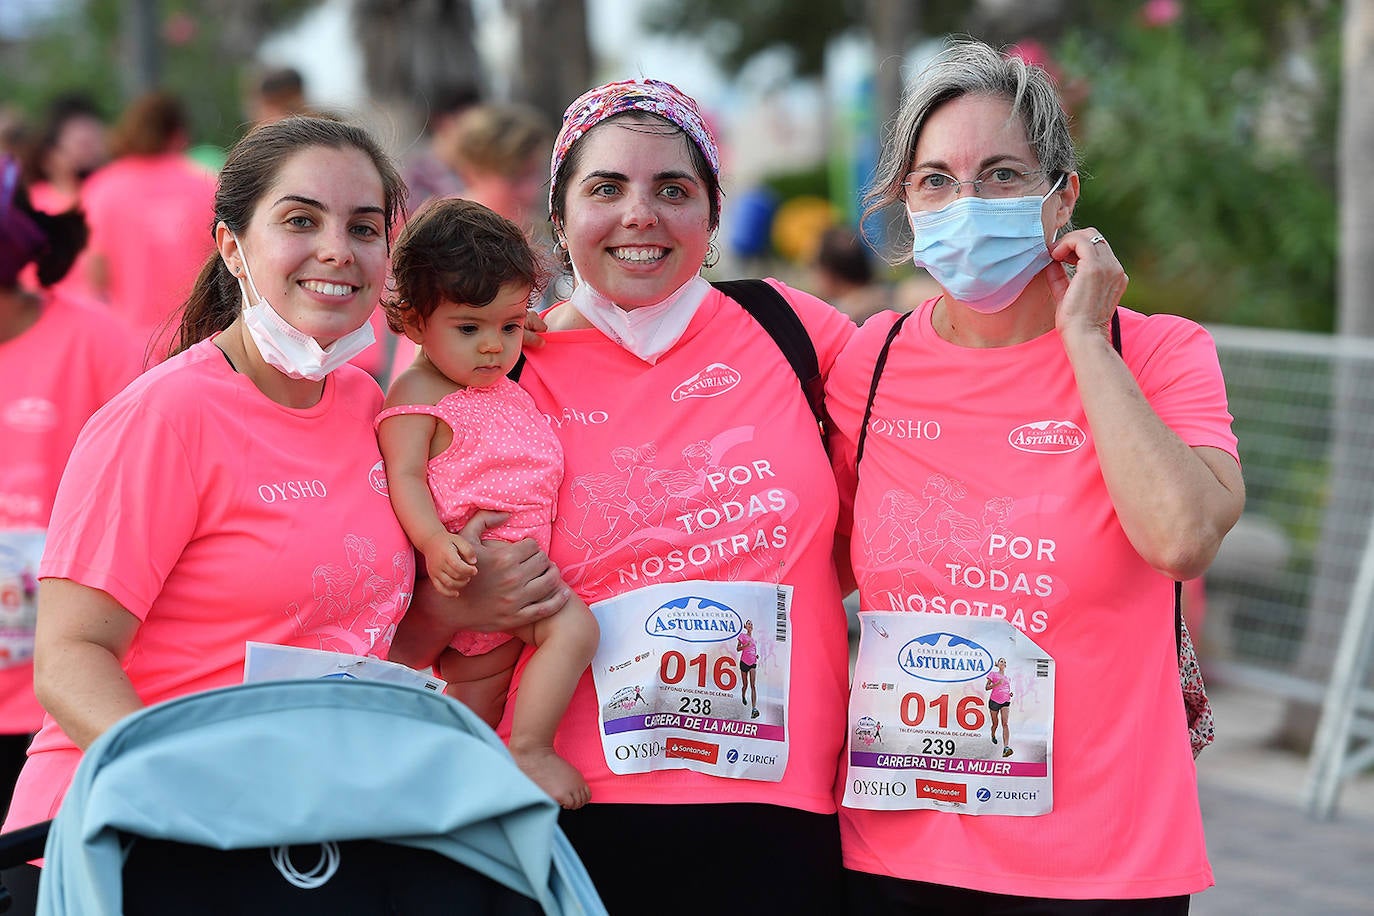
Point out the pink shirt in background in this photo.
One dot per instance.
(389, 355)
(151, 222)
(223, 517)
(76, 284)
(719, 417)
(979, 461)
(52, 378)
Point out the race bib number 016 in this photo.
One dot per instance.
(951, 713)
(694, 675)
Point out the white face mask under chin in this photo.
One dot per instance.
(286, 348)
(648, 331)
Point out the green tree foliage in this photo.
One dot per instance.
(1209, 149)
(205, 47)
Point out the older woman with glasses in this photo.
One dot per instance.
(1086, 463)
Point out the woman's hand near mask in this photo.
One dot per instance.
(1085, 301)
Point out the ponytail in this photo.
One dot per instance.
(212, 306)
(66, 234)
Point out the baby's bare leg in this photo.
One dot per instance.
(564, 646)
(480, 682)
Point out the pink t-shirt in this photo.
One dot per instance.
(748, 649)
(52, 378)
(217, 516)
(504, 457)
(980, 462)
(1001, 686)
(151, 219)
(653, 455)
(75, 284)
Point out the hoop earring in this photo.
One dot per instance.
(712, 255)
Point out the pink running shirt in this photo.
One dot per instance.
(1001, 686)
(52, 378)
(749, 649)
(151, 218)
(75, 284)
(705, 465)
(980, 494)
(504, 457)
(223, 517)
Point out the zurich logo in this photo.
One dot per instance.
(983, 794)
(732, 755)
(944, 658)
(694, 619)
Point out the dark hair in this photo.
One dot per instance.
(281, 83)
(61, 111)
(700, 164)
(455, 250)
(843, 253)
(66, 236)
(248, 173)
(149, 125)
(454, 99)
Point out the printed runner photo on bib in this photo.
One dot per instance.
(675, 684)
(922, 727)
(20, 551)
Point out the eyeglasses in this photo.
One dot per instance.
(930, 190)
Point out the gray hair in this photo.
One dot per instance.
(973, 68)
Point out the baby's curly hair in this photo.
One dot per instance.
(455, 250)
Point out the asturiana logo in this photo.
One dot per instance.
(1048, 437)
(694, 619)
(377, 477)
(944, 658)
(715, 379)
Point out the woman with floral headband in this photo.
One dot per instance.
(717, 506)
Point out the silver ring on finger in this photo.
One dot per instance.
(1096, 239)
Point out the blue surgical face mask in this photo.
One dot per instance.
(982, 251)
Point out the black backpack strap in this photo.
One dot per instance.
(1178, 586)
(772, 310)
(873, 388)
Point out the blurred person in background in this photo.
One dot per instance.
(278, 93)
(1042, 465)
(694, 467)
(60, 360)
(147, 211)
(431, 169)
(500, 153)
(70, 145)
(842, 274)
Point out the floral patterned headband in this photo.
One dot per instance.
(653, 96)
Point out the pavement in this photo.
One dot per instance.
(1269, 857)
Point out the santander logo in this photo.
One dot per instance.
(715, 379)
(1048, 437)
